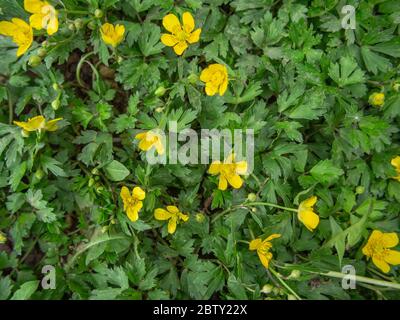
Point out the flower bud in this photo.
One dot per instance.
(3, 238)
(200, 217)
(104, 229)
(120, 59)
(92, 25)
(160, 91)
(95, 171)
(266, 289)
(360, 190)
(56, 87)
(98, 13)
(295, 274)
(34, 61)
(99, 189)
(91, 182)
(254, 210)
(78, 23)
(24, 133)
(377, 99)
(45, 44)
(39, 174)
(42, 52)
(71, 26)
(252, 197)
(113, 221)
(56, 104)
(159, 109)
(396, 86)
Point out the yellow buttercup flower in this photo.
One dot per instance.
(3, 238)
(229, 172)
(396, 163)
(173, 215)
(180, 35)
(112, 35)
(377, 249)
(44, 15)
(306, 213)
(20, 32)
(377, 99)
(150, 139)
(132, 202)
(215, 77)
(263, 248)
(38, 123)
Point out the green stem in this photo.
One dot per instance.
(267, 204)
(284, 283)
(79, 67)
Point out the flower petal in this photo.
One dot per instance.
(172, 225)
(125, 194)
(188, 22)
(223, 183)
(138, 193)
(162, 214)
(390, 240)
(180, 47)
(214, 168)
(241, 167)
(381, 264)
(33, 6)
(273, 236)
(52, 124)
(265, 258)
(173, 209)
(211, 89)
(35, 21)
(309, 218)
(194, 36)
(235, 181)
(223, 87)
(392, 257)
(52, 27)
(171, 23)
(309, 202)
(169, 40)
(8, 28)
(255, 244)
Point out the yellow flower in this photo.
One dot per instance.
(150, 139)
(20, 32)
(173, 215)
(229, 172)
(44, 15)
(38, 123)
(180, 35)
(377, 99)
(3, 238)
(132, 203)
(112, 35)
(377, 249)
(396, 163)
(306, 213)
(215, 77)
(263, 248)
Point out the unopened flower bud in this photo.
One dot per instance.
(360, 190)
(92, 25)
(42, 52)
(252, 197)
(78, 23)
(95, 171)
(56, 104)
(159, 109)
(39, 174)
(266, 289)
(200, 217)
(396, 86)
(295, 274)
(98, 13)
(160, 91)
(91, 182)
(34, 61)
(3, 238)
(71, 26)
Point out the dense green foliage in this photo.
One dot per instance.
(297, 78)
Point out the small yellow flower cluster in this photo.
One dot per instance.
(377, 99)
(215, 76)
(44, 16)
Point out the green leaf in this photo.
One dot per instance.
(326, 172)
(116, 171)
(26, 290)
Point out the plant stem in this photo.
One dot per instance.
(267, 204)
(284, 283)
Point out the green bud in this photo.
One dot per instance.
(254, 210)
(159, 109)
(360, 190)
(98, 13)
(252, 197)
(193, 78)
(56, 87)
(266, 289)
(99, 189)
(113, 221)
(104, 229)
(78, 23)
(24, 133)
(91, 182)
(200, 217)
(42, 52)
(295, 274)
(45, 44)
(95, 171)
(39, 174)
(160, 91)
(396, 86)
(71, 26)
(276, 291)
(34, 61)
(92, 25)
(56, 104)
(120, 59)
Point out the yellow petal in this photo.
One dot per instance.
(215, 168)
(273, 236)
(390, 240)
(223, 183)
(52, 27)
(241, 167)
(173, 209)
(21, 24)
(183, 217)
(396, 162)
(52, 125)
(309, 219)
(375, 235)
(120, 31)
(32, 124)
(265, 258)
(194, 36)
(133, 211)
(235, 181)
(140, 136)
(161, 214)
(188, 22)
(381, 264)
(36, 21)
(159, 147)
(171, 23)
(23, 48)
(223, 87)
(206, 75)
(180, 47)
(169, 40)
(33, 6)
(138, 193)
(172, 225)
(125, 194)
(211, 89)
(392, 257)
(309, 202)
(7, 28)
(255, 244)
(145, 144)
